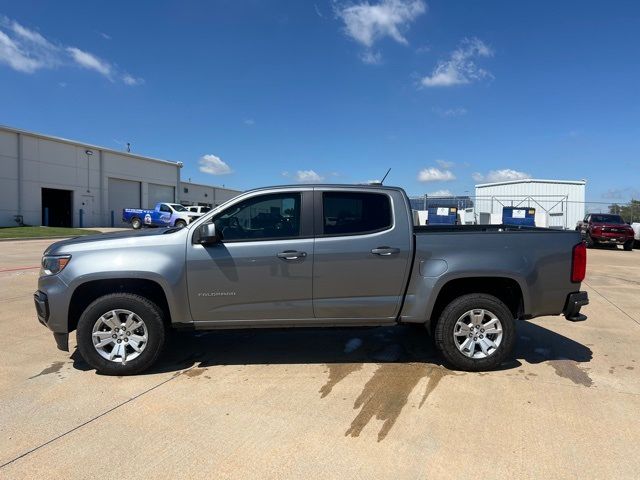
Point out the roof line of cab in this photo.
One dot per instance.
(326, 185)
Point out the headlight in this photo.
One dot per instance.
(53, 264)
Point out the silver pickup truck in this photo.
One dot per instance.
(317, 255)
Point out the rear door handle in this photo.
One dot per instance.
(385, 251)
(291, 255)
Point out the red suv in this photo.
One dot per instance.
(606, 229)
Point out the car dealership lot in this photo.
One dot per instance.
(352, 403)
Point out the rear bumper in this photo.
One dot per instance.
(575, 301)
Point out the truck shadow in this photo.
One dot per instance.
(396, 344)
(403, 356)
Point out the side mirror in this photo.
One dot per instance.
(208, 234)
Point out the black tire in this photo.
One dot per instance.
(445, 327)
(141, 306)
(628, 245)
(180, 224)
(136, 223)
(589, 241)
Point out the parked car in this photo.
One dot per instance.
(163, 215)
(325, 255)
(603, 228)
(199, 209)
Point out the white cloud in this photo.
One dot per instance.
(25, 50)
(249, 122)
(106, 36)
(28, 51)
(460, 68)
(213, 165)
(367, 23)
(434, 174)
(441, 193)
(308, 176)
(450, 112)
(502, 175)
(445, 164)
(318, 12)
(132, 81)
(90, 61)
(371, 57)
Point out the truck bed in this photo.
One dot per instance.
(525, 255)
(421, 229)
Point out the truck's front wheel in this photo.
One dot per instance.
(121, 334)
(475, 332)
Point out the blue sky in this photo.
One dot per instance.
(250, 93)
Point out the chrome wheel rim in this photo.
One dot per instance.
(477, 333)
(119, 336)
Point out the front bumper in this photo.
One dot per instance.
(51, 303)
(612, 238)
(575, 301)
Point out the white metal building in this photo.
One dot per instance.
(58, 182)
(205, 195)
(558, 203)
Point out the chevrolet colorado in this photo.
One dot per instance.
(318, 255)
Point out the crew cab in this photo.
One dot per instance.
(298, 256)
(601, 228)
(163, 215)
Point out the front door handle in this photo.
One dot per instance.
(291, 255)
(385, 251)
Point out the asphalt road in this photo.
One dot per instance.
(342, 403)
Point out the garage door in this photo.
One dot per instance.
(122, 194)
(160, 193)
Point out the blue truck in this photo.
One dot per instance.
(163, 215)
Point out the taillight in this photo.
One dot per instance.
(579, 263)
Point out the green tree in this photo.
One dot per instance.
(629, 212)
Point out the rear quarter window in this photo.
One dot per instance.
(353, 213)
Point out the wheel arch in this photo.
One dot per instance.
(85, 293)
(506, 289)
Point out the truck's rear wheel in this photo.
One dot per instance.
(475, 332)
(180, 224)
(136, 223)
(121, 334)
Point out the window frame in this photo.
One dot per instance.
(319, 213)
(306, 216)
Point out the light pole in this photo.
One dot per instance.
(89, 153)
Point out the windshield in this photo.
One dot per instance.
(178, 208)
(606, 219)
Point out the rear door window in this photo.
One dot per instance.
(355, 213)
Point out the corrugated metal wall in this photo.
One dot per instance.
(562, 204)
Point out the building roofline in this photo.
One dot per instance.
(88, 145)
(209, 186)
(532, 180)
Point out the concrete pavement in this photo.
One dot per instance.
(345, 403)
